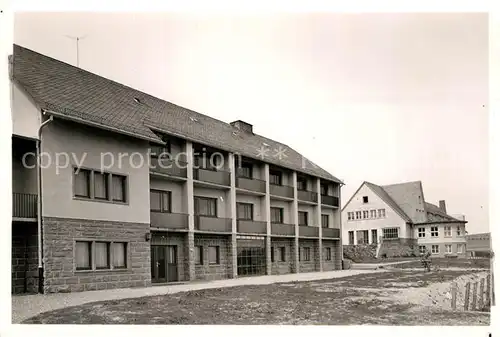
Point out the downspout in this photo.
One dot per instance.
(39, 204)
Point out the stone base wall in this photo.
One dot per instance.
(208, 271)
(24, 258)
(398, 248)
(282, 267)
(336, 262)
(359, 253)
(313, 264)
(59, 239)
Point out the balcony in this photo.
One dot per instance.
(255, 185)
(169, 167)
(330, 200)
(252, 227)
(212, 224)
(333, 233)
(169, 220)
(309, 231)
(281, 191)
(212, 176)
(24, 205)
(308, 196)
(282, 229)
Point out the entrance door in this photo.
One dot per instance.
(164, 264)
(172, 264)
(251, 257)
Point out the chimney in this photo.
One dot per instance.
(442, 205)
(243, 126)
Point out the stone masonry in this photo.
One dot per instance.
(59, 237)
(282, 267)
(313, 264)
(24, 258)
(209, 271)
(336, 262)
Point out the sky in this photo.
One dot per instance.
(384, 98)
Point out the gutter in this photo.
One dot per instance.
(39, 204)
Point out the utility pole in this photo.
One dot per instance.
(77, 39)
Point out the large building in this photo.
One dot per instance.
(479, 245)
(395, 220)
(133, 190)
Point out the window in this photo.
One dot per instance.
(244, 211)
(328, 254)
(101, 255)
(324, 220)
(373, 213)
(365, 214)
(435, 249)
(381, 213)
(365, 200)
(350, 215)
(82, 183)
(245, 170)
(447, 231)
(362, 237)
(459, 231)
(374, 236)
(205, 206)
(460, 248)
(118, 184)
(323, 189)
(434, 232)
(421, 232)
(391, 233)
(306, 251)
(302, 218)
(96, 255)
(351, 237)
(119, 253)
(213, 255)
(422, 249)
(275, 177)
(358, 215)
(276, 215)
(102, 184)
(160, 201)
(282, 251)
(448, 249)
(83, 255)
(301, 183)
(272, 254)
(198, 255)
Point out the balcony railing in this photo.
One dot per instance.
(281, 190)
(331, 233)
(309, 231)
(282, 229)
(24, 205)
(211, 176)
(170, 167)
(212, 224)
(307, 196)
(255, 185)
(250, 226)
(169, 220)
(330, 200)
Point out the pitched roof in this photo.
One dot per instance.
(382, 193)
(73, 93)
(395, 196)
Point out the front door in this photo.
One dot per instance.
(164, 264)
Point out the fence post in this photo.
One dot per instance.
(481, 294)
(488, 290)
(454, 296)
(474, 296)
(467, 293)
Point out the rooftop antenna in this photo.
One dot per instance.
(77, 39)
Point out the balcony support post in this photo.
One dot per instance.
(267, 202)
(320, 229)
(295, 221)
(189, 192)
(232, 199)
